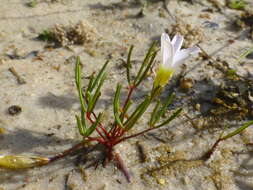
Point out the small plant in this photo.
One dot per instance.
(32, 3)
(46, 35)
(225, 137)
(126, 115)
(237, 4)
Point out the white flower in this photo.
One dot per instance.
(172, 57)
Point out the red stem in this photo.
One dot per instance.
(100, 134)
(211, 151)
(134, 135)
(102, 127)
(130, 92)
(66, 152)
(131, 89)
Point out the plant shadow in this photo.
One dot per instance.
(64, 102)
(23, 141)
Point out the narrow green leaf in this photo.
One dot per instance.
(93, 126)
(128, 64)
(100, 75)
(172, 117)
(144, 63)
(144, 74)
(237, 131)
(89, 99)
(164, 107)
(122, 115)
(80, 126)
(116, 105)
(89, 89)
(97, 93)
(137, 114)
(93, 102)
(154, 113)
(79, 89)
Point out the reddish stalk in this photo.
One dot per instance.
(211, 151)
(67, 152)
(134, 135)
(101, 126)
(130, 92)
(88, 115)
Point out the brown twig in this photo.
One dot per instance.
(19, 78)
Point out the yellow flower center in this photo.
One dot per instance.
(163, 75)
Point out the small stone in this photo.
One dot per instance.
(14, 110)
(186, 84)
(161, 181)
(197, 107)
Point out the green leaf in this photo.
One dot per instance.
(93, 126)
(164, 107)
(122, 115)
(78, 84)
(137, 114)
(100, 75)
(172, 117)
(79, 89)
(237, 4)
(97, 93)
(116, 105)
(91, 81)
(144, 74)
(154, 113)
(237, 131)
(80, 126)
(144, 63)
(128, 64)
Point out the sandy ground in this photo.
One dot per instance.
(46, 124)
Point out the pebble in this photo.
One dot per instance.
(14, 110)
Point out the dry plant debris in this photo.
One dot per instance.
(193, 35)
(78, 34)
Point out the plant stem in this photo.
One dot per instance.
(134, 135)
(116, 128)
(130, 92)
(101, 126)
(67, 152)
(88, 115)
(211, 151)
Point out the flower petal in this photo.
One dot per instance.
(167, 50)
(177, 42)
(183, 54)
